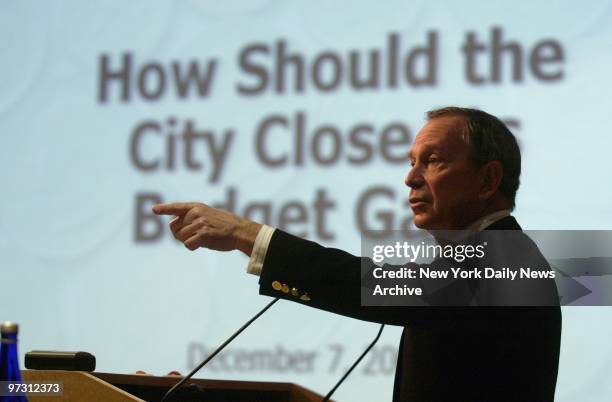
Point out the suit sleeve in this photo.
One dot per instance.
(305, 272)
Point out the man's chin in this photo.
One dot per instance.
(427, 222)
(422, 221)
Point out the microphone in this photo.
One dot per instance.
(365, 352)
(219, 349)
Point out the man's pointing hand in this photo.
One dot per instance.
(198, 225)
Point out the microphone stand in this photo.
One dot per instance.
(219, 349)
(365, 352)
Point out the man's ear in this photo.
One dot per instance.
(491, 174)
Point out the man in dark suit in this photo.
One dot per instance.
(464, 176)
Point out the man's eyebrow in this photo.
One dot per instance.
(437, 149)
(427, 148)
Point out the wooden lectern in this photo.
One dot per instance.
(78, 386)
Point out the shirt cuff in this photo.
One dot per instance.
(260, 249)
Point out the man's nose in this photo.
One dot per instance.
(414, 178)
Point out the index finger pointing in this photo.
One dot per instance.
(173, 208)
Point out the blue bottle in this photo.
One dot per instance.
(9, 360)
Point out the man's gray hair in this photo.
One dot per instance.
(490, 140)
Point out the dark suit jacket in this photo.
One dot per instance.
(462, 354)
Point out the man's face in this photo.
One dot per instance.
(444, 183)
